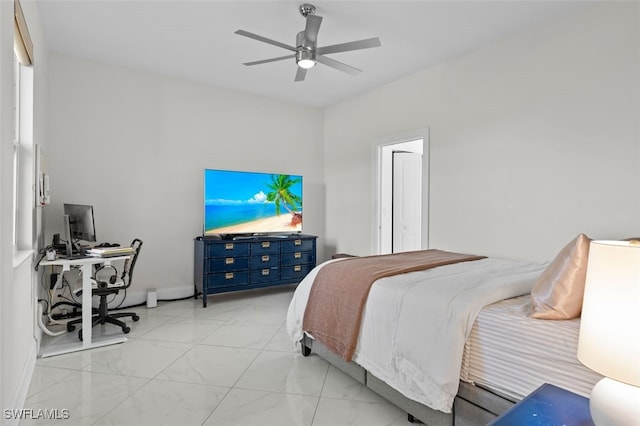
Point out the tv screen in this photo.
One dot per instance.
(237, 202)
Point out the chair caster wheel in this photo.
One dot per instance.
(135, 317)
(80, 335)
(70, 327)
(126, 330)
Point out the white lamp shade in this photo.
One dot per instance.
(609, 340)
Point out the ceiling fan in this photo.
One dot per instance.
(306, 52)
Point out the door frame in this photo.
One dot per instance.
(382, 190)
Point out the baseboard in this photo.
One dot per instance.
(137, 297)
(20, 397)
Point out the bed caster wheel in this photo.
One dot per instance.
(135, 317)
(305, 350)
(70, 327)
(126, 330)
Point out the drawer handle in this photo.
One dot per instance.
(266, 244)
(228, 246)
(265, 272)
(297, 242)
(297, 255)
(265, 258)
(229, 261)
(228, 276)
(297, 268)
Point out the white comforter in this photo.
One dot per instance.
(415, 325)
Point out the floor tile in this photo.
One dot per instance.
(343, 386)
(87, 397)
(344, 412)
(281, 342)
(136, 357)
(262, 315)
(276, 296)
(145, 324)
(73, 360)
(217, 308)
(45, 377)
(243, 407)
(212, 365)
(242, 335)
(176, 307)
(184, 330)
(285, 372)
(166, 403)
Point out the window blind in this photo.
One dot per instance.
(22, 44)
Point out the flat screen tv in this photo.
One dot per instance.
(251, 203)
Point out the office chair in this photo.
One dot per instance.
(106, 282)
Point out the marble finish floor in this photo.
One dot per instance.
(231, 363)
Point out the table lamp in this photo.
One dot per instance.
(609, 341)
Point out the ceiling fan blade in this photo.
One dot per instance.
(311, 30)
(300, 74)
(266, 61)
(265, 40)
(338, 65)
(352, 45)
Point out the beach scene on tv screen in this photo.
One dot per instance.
(251, 203)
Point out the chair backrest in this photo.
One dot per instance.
(129, 264)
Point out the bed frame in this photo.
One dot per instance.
(473, 405)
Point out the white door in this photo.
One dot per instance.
(407, 201)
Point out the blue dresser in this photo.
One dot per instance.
(230, 265)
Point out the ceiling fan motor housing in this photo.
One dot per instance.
(303, 42)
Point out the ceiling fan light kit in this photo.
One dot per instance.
(306, 52)
(305, 58)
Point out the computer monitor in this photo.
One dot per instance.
(81, 223)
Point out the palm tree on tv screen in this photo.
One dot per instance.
(281, 195)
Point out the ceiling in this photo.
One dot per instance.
(195, 40)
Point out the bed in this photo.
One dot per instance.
(468, 319)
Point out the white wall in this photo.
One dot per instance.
(533, 140)
(134, 145)
(18, 280)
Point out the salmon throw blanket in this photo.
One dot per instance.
(339, 293)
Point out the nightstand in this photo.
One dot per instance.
(548, 405)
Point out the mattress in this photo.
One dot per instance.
(513, 354)
(415, 325)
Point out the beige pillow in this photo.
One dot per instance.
(559, 291)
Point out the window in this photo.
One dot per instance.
(16, 147)
(23, 164)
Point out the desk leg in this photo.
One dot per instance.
(87, 302)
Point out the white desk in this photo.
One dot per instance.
(87, 342)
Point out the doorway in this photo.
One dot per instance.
(402, 200)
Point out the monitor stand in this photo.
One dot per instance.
(72, 251)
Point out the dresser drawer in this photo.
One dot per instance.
(265, 261)
(224, 264)
(265, 247)
(295, 271)
(226, 249)
(297, 245)
(298, 258)
(227, 279)
(265, 275)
